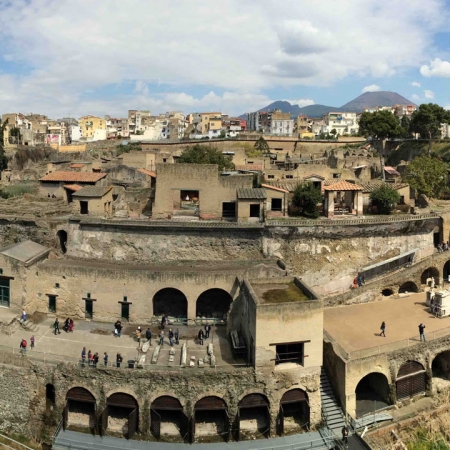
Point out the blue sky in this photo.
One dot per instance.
(62, 58)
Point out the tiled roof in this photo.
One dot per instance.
(250, 167)
(285, 185)
(390, 170)
(247, 193)
(74, 177)
(370, 187)
(93, 191)
(343, 186)
(268, 186)
(73, 187)
(313, 176)
(77, 166)
(147, 172)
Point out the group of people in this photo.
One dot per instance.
(202, 335)
(92, 359)
(421, 331)
(24, 344)
(358, 282)
(443, 247)
(68, 326)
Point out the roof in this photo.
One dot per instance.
(77, 165)
(248, 193)
(74, 177)
(73, 187)
(370, 187)
(313, 176)
(285, 185)
(250, 167)
(268, 186)
(92, 191)
(391, 171)
(25, 251)
(147, 172)
(358, 167)
(343, 186)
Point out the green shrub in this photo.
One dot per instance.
(17, 190)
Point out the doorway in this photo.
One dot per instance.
(89, 309)
(255, 210)
(84, 207)
(125, 313)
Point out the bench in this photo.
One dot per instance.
(237, 342)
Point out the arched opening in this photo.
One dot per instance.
(79, 411)
(429, 273)
(168, 422)
(62, 236)
(253, 419)
(213, 303)
(50, 397)
(211, 422)
(171, 302)
(372, 393)
(409, 286)
(411, 380)
(294, 412)
(387, 292)
(446, 271)
(121, 415)
(441, 365)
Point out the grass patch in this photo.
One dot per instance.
(286, 295)
(17, 190)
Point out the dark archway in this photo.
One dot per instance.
(62, 236)
(294, 412)
(411, 380)
(211, 422)
(213, 303)
(121, 415)
(80, 409)
(428, 273)
(171, 302)
(446, 271)
(253, 419)
(441, 365)
(409, 286)
(50, 397)
(387, 292)
(168, 420)
(372, 393)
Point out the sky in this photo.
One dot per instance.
(63, 58)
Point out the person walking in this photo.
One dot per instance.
(56, 326)
(66, 325)
(91, 359)
(23, 317)
(118, 329)
(83, 357)
(105, 358)
(201, 336)
(32, 341)
(207, 330)
(163, 322)
(383, 329)
(161, 338)
(96, 359)
(119, 359)
(23, 346)
(345, 434)
(422, 332)
(177, 336)
(171, 337)
(359, 282)
(71, 325)
(138, 336)
(148, 336)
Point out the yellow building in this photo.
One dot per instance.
(92, 127)
(211, 122)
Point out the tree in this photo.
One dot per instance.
(405, 124)
(3, 157)
(379, 124)
(427, 175)
(307, 196)
(385, 198)
(206, 154)
(333, 132)
(427, 122)
(262, 145)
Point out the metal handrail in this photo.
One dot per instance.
(15, 442)
(57, 431)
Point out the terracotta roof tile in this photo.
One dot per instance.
(73, 187)
(73, 177)
(268, 186)
(77, 166)
(250, 167)
(343, 185)
(147, 172)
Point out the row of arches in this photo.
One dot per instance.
(208, 421)
(373, 392)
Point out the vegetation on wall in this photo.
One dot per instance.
(385, 198)
(206, 154)
(306, 198)
(131, 146)
(25, 154)
(17, 190)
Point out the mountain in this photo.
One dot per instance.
(358, 104)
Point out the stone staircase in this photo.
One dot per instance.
(331, 410)
(28, 326)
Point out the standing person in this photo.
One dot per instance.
(119, 359)
(355, 283)
(56, 326)
(207, 330)
(138, 336)
(171, 337)
(83, 357)
(177, 336)
(163, 322)
(71, 325)
(23, 346)
(118, 329)
(148, 335)
(95, 359)
(359, 282)
(32, 341)
(90, 358)
(66, 325)
(422, 332)
(161, 338)
(383, 329)
(23, 317)
(345, 434)
(201, 336)
(105, 358)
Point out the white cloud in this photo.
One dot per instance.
(302, 102)
(428, 94)
(371, 88)
(415, 84)
(234, 48)
(436, 68)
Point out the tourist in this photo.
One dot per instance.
(359, 282)
(355, 283)
(105, 358)
(23, 346)
(23, 317)
(171, 337)
(200, 337)
(138, 336)
(71, 325)
(66, 325)
(32, 341)
(90, 358)
(345, 434)
(207, 330)
(163, 322)
(148, 336)
(161, 338)
(56, 326)
(118, 329)
(383, 329)
(177, 336)
(95, 361)
(83, 357)
(422, 332)
(119, 359)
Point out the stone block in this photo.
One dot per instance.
(156, 354)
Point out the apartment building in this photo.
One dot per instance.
(273, 122)
(92, 128)
(135, 120)
(343, 122)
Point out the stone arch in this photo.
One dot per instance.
(387, 292)
(294, 414)
(168, 419)
(121, 414)
(80, 410)
(411, 380)
(253, 418)
(408, 286)
(213, 303)
(440, 366)
(211, 410)
(62, 237)
(170, 301)
(50, 396)
(163, 393)
(372, 389)
(446, 270)
(428, 273)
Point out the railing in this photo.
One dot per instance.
(57, 431)
(15, 442)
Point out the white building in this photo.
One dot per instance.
(343, 122)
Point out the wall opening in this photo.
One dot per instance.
(80, 409)
(294, 412)
(168, 422)
(441, 365)
(50, 397)
(62, 236)
(210, 422)
(446, 271)
(387, 292)
(408, 286)
(277, 204)
(255, 210)
(214, 303)
(84, 209)
(411, 380)
(171, 302)
(428, 273)
(372, 394)
(229, 210)
(253, 417)
(121, 415)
